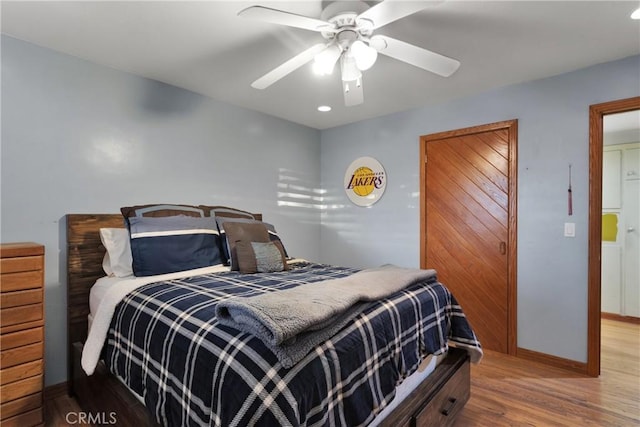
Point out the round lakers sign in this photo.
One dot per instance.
(365, 181)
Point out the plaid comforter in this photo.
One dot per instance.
(166, 344)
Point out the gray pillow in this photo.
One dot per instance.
(260, 257)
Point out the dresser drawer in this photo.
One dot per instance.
(18, 339)
(21, 334)
(18, 355)
(17, 298)
(16, 265)
(26, 419)
(444, 406)
(20, 372)
(20, 281)
(22, 314)
(21, 388)
(17, 406)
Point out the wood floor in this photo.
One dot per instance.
(507, 391)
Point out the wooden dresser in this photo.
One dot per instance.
(21, 334)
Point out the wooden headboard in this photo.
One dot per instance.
(84, 265)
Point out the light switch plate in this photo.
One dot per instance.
(569, 229)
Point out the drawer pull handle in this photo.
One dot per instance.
(451, 404)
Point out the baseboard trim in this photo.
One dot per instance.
(620, 318)
(56, 390)
(548, 359)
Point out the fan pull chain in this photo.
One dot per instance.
(570, 198)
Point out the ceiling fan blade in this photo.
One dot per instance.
(281, 17)
(416, 56)
(353, 93)
(388, 11)
(291, 65)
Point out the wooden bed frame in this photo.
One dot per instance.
(436, 401)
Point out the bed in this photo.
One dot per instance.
(428, 397)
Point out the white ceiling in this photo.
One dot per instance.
(205, 47)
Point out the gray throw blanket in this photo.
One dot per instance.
(293, 321)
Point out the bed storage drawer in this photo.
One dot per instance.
(445, 405)
(425, 404)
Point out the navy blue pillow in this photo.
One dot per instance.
(162, 245)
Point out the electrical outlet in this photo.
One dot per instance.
(569, 229)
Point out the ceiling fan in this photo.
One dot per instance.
(348, 27)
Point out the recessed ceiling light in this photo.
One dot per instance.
(636, 14)
(324, 108)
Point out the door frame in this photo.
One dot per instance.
(512, 297)
(596, 118)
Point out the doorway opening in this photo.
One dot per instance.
(596, 143)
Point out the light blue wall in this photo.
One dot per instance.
(553, 116)
(82, 138)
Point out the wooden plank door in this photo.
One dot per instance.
(468, 224)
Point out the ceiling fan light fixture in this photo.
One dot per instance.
(636, 14)
(364, 55)
(325, 61)
(349, 69)
(348, 30)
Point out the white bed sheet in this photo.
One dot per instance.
(102, 285)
